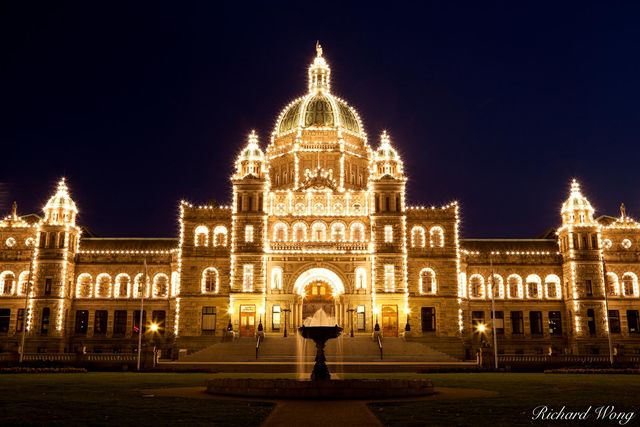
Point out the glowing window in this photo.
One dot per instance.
(103, 286)
(220, 236)
(418, 237)
(436, 237)
(389, 278)
(514, 287)
(388, 234)
(123, 285)
(248, 233)
(476, 286)
(299, 232)
(209, 283)
(496, 284)
(84, 286)
(337, 231)
(357, 232)
(552, 287)
(276, 278)
(280, 232)
(201, 236)
(160, 286)
(427, 282)
(247, 278)
(533, 286)
(319, 232)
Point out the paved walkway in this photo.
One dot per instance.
(312, 413)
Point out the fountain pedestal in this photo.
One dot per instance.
(320, 335)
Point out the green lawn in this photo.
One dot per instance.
(115, 399)
(518, 395)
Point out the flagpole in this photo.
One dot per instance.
(144, 288)
(493, 310)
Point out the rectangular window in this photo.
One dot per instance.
(588, 287)
(248, 233)
(591, 321)
(428, 315)
(20, 320)
(119, 322)
(517, 322)
(389, 278)
(555, 323)
(535, 322)
(594, 241)
(82, 322)
(498, 322)
(247, 278)
(388, 234)
(477, 319)
(275, 317)
(614, 321)
(100, 322)
(209, 315)
(44, 324)
(136, 321)
(48, 283)
(5, 318)
(360, 318)
(633, 321)
(158, 318)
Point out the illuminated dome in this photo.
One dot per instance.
(577, 209)
(318, 109)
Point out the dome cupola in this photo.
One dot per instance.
(576, 209)
(319, 108)
(250, 161)
(60, 209)
(386, 160)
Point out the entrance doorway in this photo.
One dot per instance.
(247, 320)
(390, 320)
(318, 295)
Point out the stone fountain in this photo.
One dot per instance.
(320, 328)
(317, 331)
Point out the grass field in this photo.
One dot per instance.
(117, 399)
(518, 395)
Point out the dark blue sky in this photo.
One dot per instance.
(497, 106)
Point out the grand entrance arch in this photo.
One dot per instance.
(319, 288)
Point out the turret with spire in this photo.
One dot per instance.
(319, 73)
(60, 209)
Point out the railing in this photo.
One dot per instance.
(380, 344)
(564, 359)
(258, 340)
(73, 357)
(320, 246)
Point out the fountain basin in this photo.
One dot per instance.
(320, 389)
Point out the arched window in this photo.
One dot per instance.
(476, 286)
(552, 287)
(427, 282)
(418, 237)
(280, 232)
(462, 285)
(138, 286)
(23, 280)
(175, 283)
(361, 278)
(534, 285)
(318, 232)
(276, 278)
(210, 282)
(629, 284)
(357, 232)
(613, 286)
(84, 286)
(337, 232)
(103, 286)
(220, 236)
(123, 286)
(299, 232)
(7, 282)
(160, 286)
(514, 287)
(495, 283)
(436, 237)
(201, 236)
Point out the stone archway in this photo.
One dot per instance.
(318, 288)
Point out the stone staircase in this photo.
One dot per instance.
(343, 349)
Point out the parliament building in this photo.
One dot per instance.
(319, 219)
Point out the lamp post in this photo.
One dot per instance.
(144, 288)
(606, 307)
(493, 316)
(285, 311)
(350, 311)
(27, 291)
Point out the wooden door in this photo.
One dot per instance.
(390, 320)
(247, 320)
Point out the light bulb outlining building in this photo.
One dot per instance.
(319, 219)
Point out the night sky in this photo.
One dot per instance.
(142, 105)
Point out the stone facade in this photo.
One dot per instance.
(319, 220)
